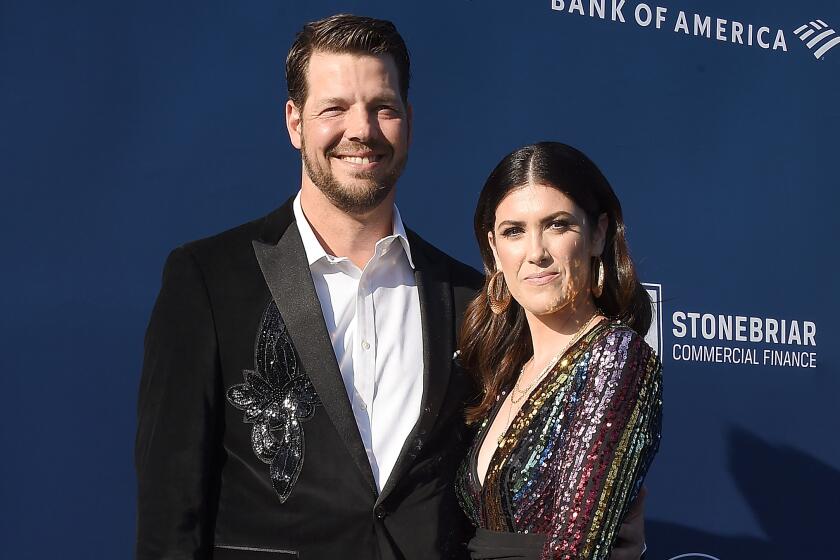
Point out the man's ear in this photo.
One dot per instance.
(294, 123)
(599, 235)
(409, 111)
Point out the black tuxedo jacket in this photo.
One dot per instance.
(247, 447)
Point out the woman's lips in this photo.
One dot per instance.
(542, 278)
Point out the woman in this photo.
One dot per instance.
(571, 404)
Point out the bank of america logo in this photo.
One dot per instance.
(654, 334)
(817, 34)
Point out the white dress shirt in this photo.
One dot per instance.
(373, 318)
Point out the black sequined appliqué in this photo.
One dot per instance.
(276, 397)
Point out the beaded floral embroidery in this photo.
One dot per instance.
(276, 396)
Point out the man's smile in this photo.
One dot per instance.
(362, 161)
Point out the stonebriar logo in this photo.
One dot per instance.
(743, 34)
(739, 340)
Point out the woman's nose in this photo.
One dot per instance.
(537, 251)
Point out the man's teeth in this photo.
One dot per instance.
(362, 160)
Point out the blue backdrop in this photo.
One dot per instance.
(129, 128)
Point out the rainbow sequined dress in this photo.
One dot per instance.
(574, 456)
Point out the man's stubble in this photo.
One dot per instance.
(354, 200)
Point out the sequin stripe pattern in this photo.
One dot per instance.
(486, 507)
(581, 461)
(276, 397)
(515, 492)
(577, 452)
(625, 440)
(537, 501)
(534, 434)
(638, 444)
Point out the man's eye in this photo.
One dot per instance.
(388, 110)
(332, 110)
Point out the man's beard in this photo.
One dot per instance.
(352, 199)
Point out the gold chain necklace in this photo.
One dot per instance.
(549, 366)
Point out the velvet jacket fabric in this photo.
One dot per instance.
(247, 448)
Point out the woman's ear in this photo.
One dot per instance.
(492, 240)
(599, 235)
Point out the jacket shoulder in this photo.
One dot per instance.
(237, 241)
(461, 275)
(225, 242)
(226, 260)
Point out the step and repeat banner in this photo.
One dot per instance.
(129, 129)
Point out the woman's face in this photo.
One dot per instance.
(544, 244)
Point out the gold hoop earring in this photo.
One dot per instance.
(498, 296)
(598, 288)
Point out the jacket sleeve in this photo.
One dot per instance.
(177, 447)
(613, 435)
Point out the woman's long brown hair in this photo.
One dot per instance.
(494, 347)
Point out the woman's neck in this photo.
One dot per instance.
(554, 331)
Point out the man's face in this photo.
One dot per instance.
(353, 129)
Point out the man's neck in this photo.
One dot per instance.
(347, 235)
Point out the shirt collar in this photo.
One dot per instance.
(315, 251)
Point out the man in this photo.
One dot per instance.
(299, 396)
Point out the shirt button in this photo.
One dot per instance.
(363, 406)
(366, 345)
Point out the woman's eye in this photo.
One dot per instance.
(511, 231)
(561, 225)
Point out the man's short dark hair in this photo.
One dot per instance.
(344, 33)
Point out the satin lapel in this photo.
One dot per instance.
(286, 272)
(436, 310)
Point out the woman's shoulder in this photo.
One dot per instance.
(612, 337)
(615, 351)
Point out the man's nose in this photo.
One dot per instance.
(361, 125)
